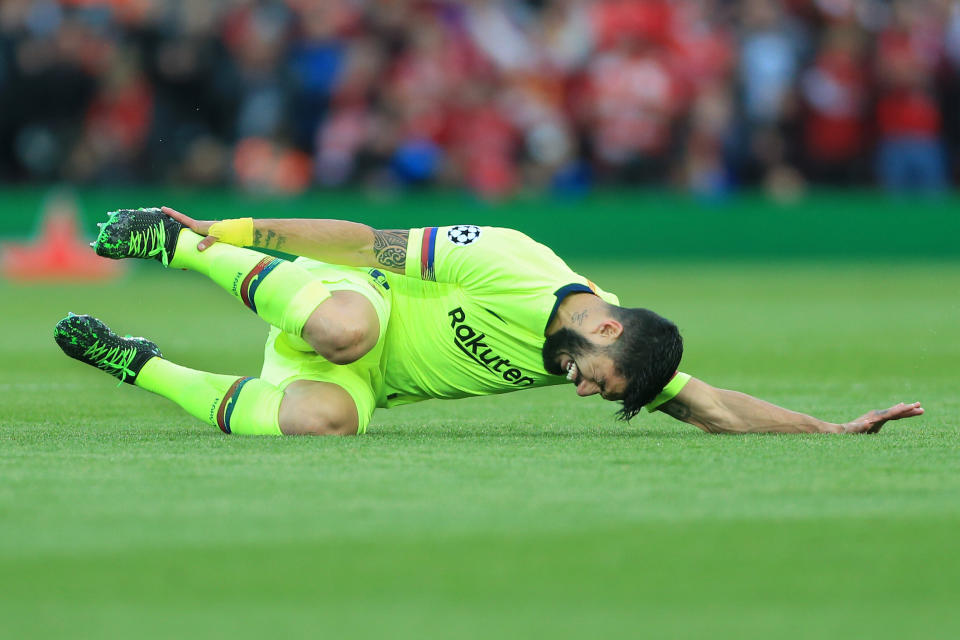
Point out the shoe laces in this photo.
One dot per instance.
(149, 242)
(114, 360)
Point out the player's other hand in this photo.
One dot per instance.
(873, 421)
(201, 227)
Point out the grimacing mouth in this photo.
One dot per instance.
(572, 371)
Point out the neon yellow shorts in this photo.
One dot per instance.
(288, 358)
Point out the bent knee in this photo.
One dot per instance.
(344, 328)
(347, 344)
(318, 409)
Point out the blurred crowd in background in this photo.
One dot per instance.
(495, 96)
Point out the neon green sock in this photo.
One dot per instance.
(280, 292)
(246, 406)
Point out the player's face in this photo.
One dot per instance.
(587, 365)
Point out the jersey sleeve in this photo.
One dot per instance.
(675, 386)
(483, 257)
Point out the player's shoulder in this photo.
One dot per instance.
(463, 239)
(467, 234)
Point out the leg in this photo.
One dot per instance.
(284, 294)
(280, 292)
(321, 396)
(341, 326)
(252, 406)
(236, 405)
(248, 406)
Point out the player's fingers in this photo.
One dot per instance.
(897, 412)
(204, 244)
(176, 215)
(906, 410)
(185, 220)
(910, 405)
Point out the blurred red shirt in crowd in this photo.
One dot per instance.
(835, 91)
(906, 106)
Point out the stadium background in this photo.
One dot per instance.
(778, 177)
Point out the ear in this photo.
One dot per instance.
(609, 329)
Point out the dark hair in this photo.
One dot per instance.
(647, 354)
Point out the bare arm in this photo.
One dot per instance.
(721, 411)
(336, 241)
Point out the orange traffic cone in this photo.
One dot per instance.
(59, 253)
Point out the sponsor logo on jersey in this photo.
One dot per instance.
(472, 343)
(463, 234)
(379, 278)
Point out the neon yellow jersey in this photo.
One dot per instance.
(469, 315)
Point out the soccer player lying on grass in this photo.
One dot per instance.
(394, 317)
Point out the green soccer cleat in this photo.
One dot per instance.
(88, 340)
(138, 233)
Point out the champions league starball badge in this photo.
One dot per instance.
(463, 234)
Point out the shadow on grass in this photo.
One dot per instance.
(530, 432)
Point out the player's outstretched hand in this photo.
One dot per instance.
(201, 227)
(873, 421)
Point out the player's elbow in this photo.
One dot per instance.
(715, 417)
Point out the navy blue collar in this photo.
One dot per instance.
(562, 294)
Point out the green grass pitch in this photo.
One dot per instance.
(527, 515)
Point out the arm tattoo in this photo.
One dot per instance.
(676, 409)
(273, 240)
(390, 247)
